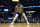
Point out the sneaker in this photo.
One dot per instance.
(27, 23)
(12, 23)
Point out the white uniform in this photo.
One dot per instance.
(19, 9)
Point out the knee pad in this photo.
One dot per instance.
(16, 15)
(23, 14)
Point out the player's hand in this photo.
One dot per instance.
(22, 17)
(13, 17)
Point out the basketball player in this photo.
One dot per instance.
(19, 11)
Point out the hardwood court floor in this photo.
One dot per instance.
(20, 25)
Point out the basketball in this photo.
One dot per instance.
(22, 20)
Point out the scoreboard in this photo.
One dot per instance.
(15, 0)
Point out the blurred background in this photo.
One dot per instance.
(30, 7)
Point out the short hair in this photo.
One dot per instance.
(19, 2)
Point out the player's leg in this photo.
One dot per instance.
(25, 18)
(14, 18)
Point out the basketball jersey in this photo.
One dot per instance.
(19, 9)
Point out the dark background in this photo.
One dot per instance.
(8, 4)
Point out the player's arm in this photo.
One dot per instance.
(22, 11)
(15, 12)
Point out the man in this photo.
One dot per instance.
(19, 11)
